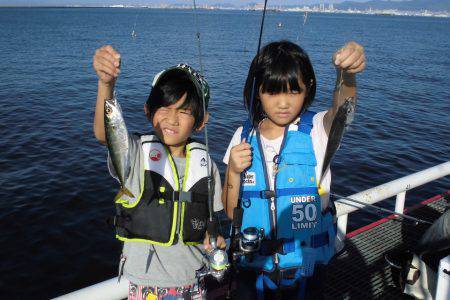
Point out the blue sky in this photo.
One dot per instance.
(199, 2)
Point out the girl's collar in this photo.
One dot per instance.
(295, 122)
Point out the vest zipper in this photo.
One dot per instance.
(274, 220)
(273, 205)
(180, 188)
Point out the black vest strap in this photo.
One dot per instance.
(183, 196)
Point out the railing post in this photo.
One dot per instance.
(341, 232)
(400, 202)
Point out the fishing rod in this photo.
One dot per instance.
(367, 205)
(218, 259)
(252, 94)
(238, 212)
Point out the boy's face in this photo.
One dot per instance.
(173, 125)
(283, 108)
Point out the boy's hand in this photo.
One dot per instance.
(350, 58)
(240, 157)
(107, 64)
(221, 244)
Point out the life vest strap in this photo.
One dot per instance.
(284, 246)
(267, 194)
(306, 122)
(280, 246)
(182, 196)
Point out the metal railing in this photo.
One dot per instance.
(112, 289)
(382, 192)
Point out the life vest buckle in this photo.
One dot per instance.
(267, 194)
(185, 196)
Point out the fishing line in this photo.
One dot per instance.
(305, 18)
(417, 220)
(133, 33)
(210, 200)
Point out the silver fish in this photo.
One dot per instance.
(344, 117)
(118, 143)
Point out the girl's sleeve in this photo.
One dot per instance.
(235, 140)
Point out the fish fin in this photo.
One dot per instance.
(119, 195)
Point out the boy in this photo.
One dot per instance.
(164, 225)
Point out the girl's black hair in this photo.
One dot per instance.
(169, 88)
(277, 69)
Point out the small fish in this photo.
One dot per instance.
(344, 117)
(118, 143)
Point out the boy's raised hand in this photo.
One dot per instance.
(350, 58)
(240, 157)
(221, 244)
(107, 64)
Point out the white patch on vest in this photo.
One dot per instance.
(250, 179)
(303, 199)
(304, 216)
(198, 224)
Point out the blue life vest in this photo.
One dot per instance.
(292, 214)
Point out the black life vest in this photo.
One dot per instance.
(168, 207)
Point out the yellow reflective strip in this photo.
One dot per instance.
(186, 172)
(174, 169)
(192, 243)
(162, 189)
(186, 169)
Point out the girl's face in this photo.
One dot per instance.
(283, 108)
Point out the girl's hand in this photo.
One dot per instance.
(221, 244)
(350, 58)
(107, 64)
(240, 157)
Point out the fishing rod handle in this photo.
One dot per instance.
(238, 213)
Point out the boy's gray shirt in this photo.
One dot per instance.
(153, 265)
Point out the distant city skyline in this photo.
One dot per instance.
(143, 2)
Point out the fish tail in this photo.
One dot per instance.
(127, 192)
(123, 191)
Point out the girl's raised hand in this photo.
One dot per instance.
(350, 58)
(240, 157)
(107, 64)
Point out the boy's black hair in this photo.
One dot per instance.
(276, 70)
(170, 87)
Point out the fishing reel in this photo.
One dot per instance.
(247, 243)
(217, 264)
(250, 240)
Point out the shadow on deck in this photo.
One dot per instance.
(361, 272)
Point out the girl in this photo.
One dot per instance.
(276, 163)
